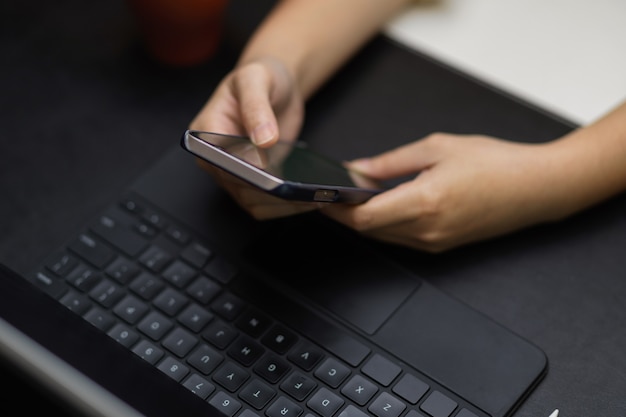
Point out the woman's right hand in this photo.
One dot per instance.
(259, 99)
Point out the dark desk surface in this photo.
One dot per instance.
(84, 112)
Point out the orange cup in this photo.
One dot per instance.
(180, 33)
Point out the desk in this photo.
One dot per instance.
(84, 112)
(566, 56)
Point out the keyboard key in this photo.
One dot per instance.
(148, 351)
(196, 254)
(179, 342)
(381, 369)
(145, 230)
(279, 339)
(153, 218)
(305, 355)
(231, 376)
(386, 405)
(106, 293)
(131, 205)
(253, 322)
(219, 334)
(245, 351)
(249, 413)
(122, 270)
(205, 359)
(359, 389)
(92, 251)
(125, 240)
(155, 325)
(332, 372)
(124, 335)
(199, 386)
(228, 306)
(203, 290)
(130, 309)
(177, 235)
(410, 388)
(325, 402)
(179, 274)
(283, 407)
(225, 403)
(62, 265)
(173, 368)
(352, 411)
(195, 317)
(155, 258)
(170, 301)
(438, 405)
(100, 318)
(147, 286)
(298, 386)
(49, 284)
(257, 394)
(221, 270)
(78, 303)
(83, 278)
(271, 368)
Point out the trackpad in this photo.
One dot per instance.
(462, 349)
(333, 270)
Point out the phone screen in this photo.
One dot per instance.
(293, 162)
(287, 170)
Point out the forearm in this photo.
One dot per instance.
(589, 165)
(315, 37)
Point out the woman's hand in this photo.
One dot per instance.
(259, 99)
(469, 188)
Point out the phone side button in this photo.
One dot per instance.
(325, 195)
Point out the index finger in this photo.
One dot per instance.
(253, 86)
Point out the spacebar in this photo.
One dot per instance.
(320, 331)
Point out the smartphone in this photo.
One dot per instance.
(291, 171)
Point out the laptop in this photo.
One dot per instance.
(172, 301)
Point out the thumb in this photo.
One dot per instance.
(404, 160)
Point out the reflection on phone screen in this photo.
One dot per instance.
(293, 162)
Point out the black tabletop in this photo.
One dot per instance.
(85, 111)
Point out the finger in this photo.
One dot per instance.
(404, 160)
(384, 235)
(253, 86)
(397, 237)
(221, 112)
(391, 207)
(261, 204)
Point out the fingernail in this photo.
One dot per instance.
(262, 134)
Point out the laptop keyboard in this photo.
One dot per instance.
(166, 295)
